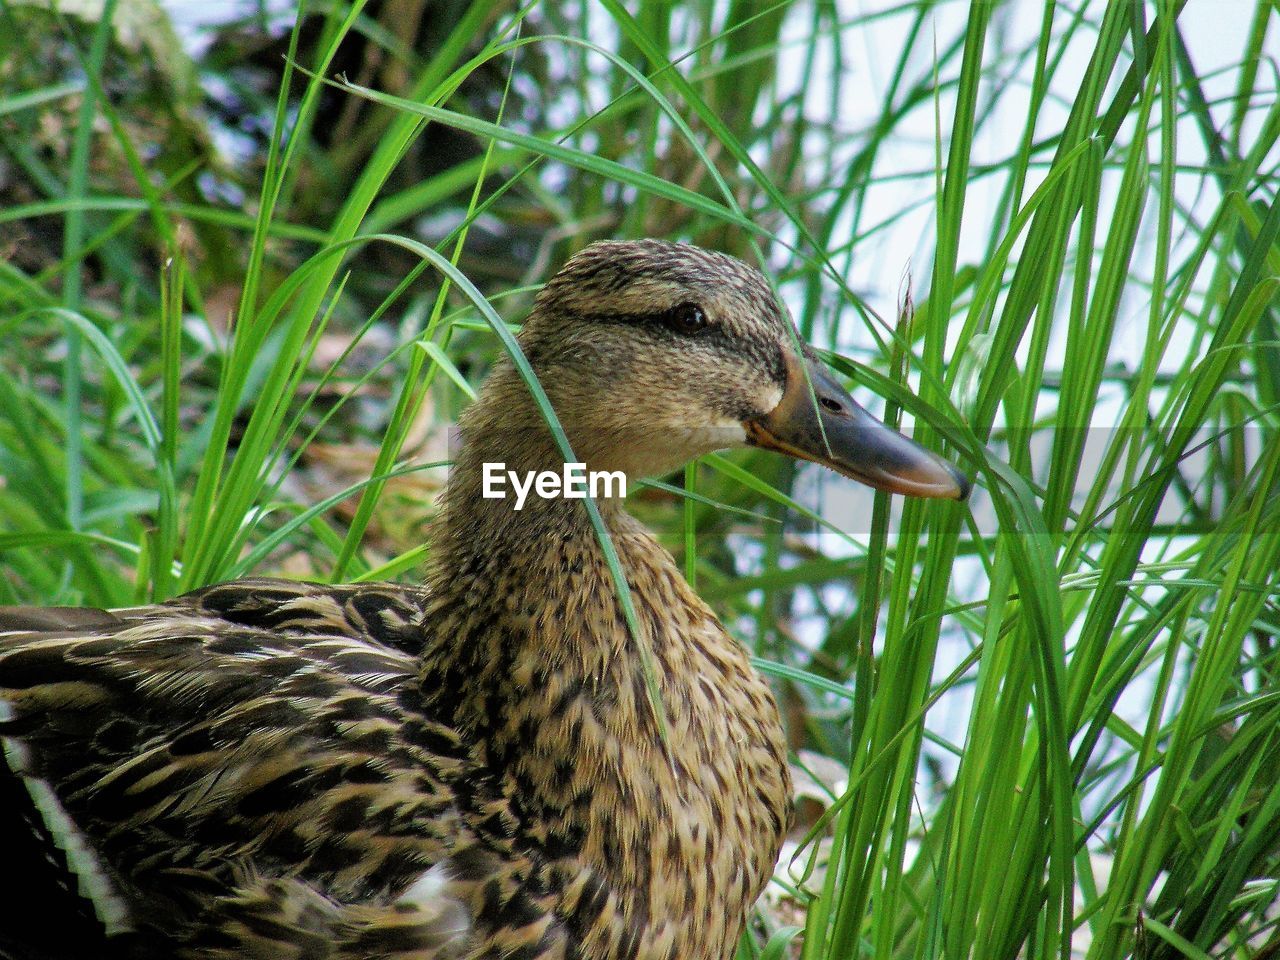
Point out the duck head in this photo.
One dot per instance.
(653, 353)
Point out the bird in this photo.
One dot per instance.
(496, 763)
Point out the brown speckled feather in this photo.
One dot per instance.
(270, 780)
(244, 745)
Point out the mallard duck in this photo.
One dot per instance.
(474, 768)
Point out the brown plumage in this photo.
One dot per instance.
(473, 769)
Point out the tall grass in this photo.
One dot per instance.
(1053, 711)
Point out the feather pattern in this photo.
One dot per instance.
(269, 772)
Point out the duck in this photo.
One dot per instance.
(496, 763)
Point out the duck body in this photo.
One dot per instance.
(493, 766)
(279, 753)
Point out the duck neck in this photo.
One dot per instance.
(529, 659)
(523, 599)
(511, 494)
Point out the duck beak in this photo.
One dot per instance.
(839, 434)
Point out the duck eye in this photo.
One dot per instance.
(687, 319)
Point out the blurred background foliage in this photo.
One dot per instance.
(1045, 235)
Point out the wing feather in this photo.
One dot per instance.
(254, 730)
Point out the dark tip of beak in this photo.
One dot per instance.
(841, 435)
